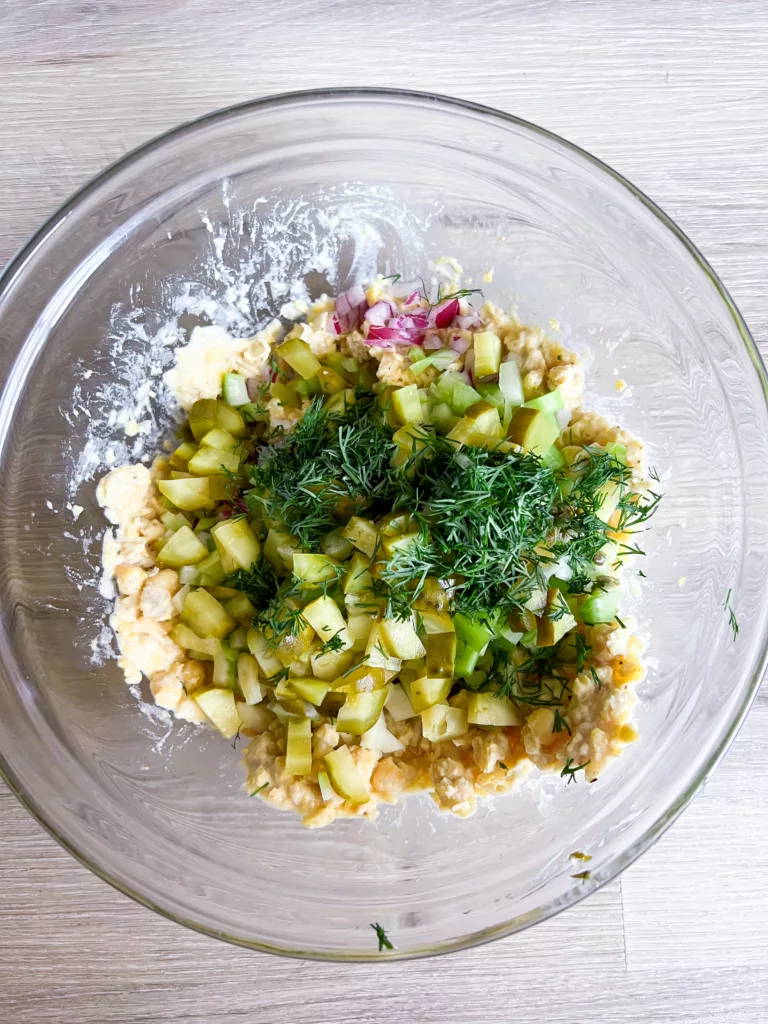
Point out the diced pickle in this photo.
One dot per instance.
(298, 747)
(182, 548)
(286, 396)
(189, 494)
(211, 570)
(485, 709)
(218, 438)
(327, 791)
(313, 570)
(400, 640)
(407, 404)
(482, 418)
(212, 462)
(425, 692)
(330, 665)
(241, 607)
(345, 777)
(202, 417)
(363, 534)
(555, 621)
(358, 576)
(441, 655)
(199, 647)
(331, 383)
(220, 708)
(324, 617)
(313, 690)
(360, 711)
(248, 678)
(268, 661)
(279, 548)
(182, 455)
(532, 430)
(487, 354)
(236, 542)
(206, 616)
(225, 667)
(299, 357)
(362, 679)
(336, 545)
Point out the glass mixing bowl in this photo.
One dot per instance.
(215, 220)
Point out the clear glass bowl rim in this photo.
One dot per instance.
(665, 819)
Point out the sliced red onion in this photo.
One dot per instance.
(469, 366)
(400, 336)
(413, 297)
(333, 323)
(379, 312)
(410, 322)
(442, 315)
(469, 323)
(350, 309)
(432, 342)
(459, 344)
(254, 386)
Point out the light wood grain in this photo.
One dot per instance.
(673, 94)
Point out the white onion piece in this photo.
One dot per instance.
(469, 323)
(379, 312)
(458, 344)
(432, 342)
(563, 417)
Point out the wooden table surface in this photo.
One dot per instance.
(675, 95)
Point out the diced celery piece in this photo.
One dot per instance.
(363, 534)
(533, 430)
(346, 779)
(442, 722)
(378, 737)
(491, 393)
(463, 398)
(299, 357)
(441, 654)
(182, 455)
(218, 438)
(553, 458)
(182, 548)
(268, 661)
(360, 711)
(235, 539)
(205, 615)
(550, 403)
(324, 617)
(199, 647)
(336, 545)
(398, 704)
(279, 548)
(618, 451)
(327, 792)
(235, 390)
(444, 418)
(407, 404)
(313, 570)
(189, 494)
(529, 639)
(212, 462)
(466, 659)
(313, 690)
(600, 606)
(241, 607)
(425, 692)
(220, 708)
(400, 640)
(487, 354)
(485, 709)
(441, 359)
(510, 382)
(298, 747)
(476, 632)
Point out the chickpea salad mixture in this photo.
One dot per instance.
(385, 550)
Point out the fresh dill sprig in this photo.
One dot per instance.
(257, 791)
(560, 723)
(731, 616)
(333, 643)
(381, 935)
(259, 582)
(569, 770)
